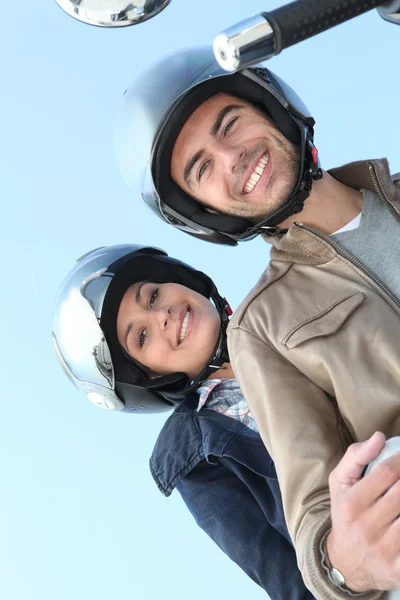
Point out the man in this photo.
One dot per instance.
(232, 156)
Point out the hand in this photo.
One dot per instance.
(364, 544)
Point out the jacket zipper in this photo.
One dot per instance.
(381, 196)
(343, 252)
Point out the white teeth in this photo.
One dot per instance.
(256, 175)
(184, 326)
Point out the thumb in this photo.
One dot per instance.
(358, 456)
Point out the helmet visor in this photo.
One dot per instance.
(78, 338)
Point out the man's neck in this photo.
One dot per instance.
(329, 207)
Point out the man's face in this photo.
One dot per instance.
(231, 157)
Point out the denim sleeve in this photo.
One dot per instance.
(225, 508)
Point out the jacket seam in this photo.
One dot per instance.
(340, 425)
(299, 324)
(263, 341)
(325, 244)
(338, 418)
(156, 478)
(361, 274)
(234, 434)
(181, 474)
(259, 292)
(388, 181)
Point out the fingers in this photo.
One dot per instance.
(386, 509)
(353, 463)
(364, 543)
(378, 482)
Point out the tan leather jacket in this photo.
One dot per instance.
(316, 349)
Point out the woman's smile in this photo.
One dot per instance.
(167, 327)
(185, 322)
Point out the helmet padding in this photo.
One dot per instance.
(126, 273)
(236, 85)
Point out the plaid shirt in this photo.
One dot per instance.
(224, 396)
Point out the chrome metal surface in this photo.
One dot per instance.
(112, 13)
(78, 339)
(245, 44)
(147, 101)
(390, 11)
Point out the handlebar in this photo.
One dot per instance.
(267, 34)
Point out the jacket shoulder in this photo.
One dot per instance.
(274, 271)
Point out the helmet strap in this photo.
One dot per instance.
(311, 172)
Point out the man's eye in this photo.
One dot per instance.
(203, 169)
(229, 126)
(142, 338)
(153, 298)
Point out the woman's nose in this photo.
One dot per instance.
(163, 315)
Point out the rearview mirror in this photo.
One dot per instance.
(112, 13)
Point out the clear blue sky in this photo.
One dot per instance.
(80, 517)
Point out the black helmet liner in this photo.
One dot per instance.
(163, 269)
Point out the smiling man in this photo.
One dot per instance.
(228, 155)
(315, 344)
(222, 157)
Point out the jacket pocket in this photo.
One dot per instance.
(326, 322)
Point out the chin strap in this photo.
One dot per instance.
(220, 355)
(312, 172)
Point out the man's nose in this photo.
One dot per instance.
(231, 157)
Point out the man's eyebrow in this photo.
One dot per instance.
(137, 298)
(221, 116)
(213, 131)
(190, 164)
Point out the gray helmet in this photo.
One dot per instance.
(153, 113)
(84, 331)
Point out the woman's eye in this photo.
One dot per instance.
(229, 125)
(142, 338)
(153, 298)
(203, 169)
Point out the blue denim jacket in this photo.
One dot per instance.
(228, 481)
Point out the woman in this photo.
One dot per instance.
(141, 332)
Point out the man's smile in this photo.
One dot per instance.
(254, 173)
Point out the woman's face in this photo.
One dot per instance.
(168, 327)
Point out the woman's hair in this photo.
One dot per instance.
(163, 269)
(145, 370)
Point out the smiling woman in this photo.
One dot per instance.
(154, 325)
(139, 331)
(168, 327)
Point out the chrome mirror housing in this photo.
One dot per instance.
(112, 13)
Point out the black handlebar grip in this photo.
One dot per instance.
(302, 19)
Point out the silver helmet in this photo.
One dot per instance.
(84, 330)
(154, 110)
